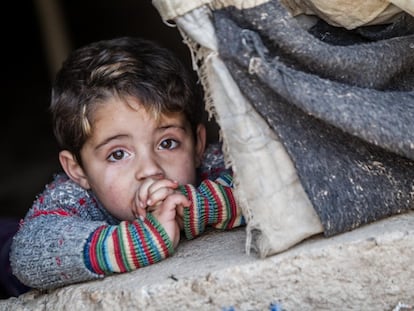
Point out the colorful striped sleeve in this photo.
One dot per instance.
(127, 246)
(213, 204)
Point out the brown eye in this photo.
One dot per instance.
(169, 144)
(117, 155)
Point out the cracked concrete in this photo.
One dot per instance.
(370, 268)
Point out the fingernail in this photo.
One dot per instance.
(141, 217)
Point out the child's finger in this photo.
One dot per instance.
(159, 195)
(137, 211)
(175, 200)
(180, 221)
(142, 193)
(141, 212)
(171, 204)
(160, 184)
(150, 186)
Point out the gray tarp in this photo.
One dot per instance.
(314, 118)
(344, 113)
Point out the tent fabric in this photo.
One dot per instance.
(315, 119)
(172, 9)
(349, 14)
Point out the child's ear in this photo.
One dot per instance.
(73, 169)
(200, 146)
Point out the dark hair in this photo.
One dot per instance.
(119, 67)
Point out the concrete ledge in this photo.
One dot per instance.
(370, 268)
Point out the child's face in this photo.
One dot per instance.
(127, 146)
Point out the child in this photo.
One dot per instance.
(129, 127)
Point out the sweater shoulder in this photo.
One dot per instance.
(64, 197)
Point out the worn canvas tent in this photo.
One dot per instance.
(315, 103)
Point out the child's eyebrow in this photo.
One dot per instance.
(109, 139)
(173, 126)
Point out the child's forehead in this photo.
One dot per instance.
(163, 117)
(150, 110)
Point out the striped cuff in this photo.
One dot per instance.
(194, 219)
(127, 246)
(212, 203)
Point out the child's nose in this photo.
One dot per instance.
(148, 166)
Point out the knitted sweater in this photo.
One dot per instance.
(68, 237)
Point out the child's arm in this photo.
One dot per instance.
(127, 246)
(213, 204)
(132, 245)
(70, 240)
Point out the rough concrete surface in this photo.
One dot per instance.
(370, 268)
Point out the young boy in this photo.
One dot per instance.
(129, 127)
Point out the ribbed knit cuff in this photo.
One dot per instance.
(212, 203)
(209, 205)
(128, 246)
(195, 217)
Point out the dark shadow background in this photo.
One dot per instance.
(29, 153)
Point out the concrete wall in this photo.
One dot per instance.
(370, 268)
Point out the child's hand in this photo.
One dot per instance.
(151, 193)
(165, 213)
(179, 217)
